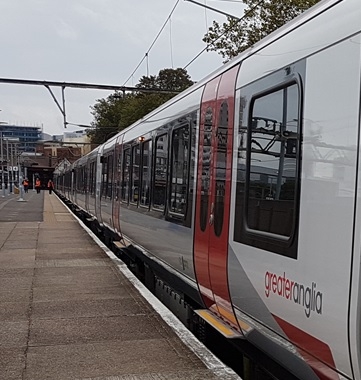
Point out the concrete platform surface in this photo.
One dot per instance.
(69, 309)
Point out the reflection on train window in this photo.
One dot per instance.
(134, 182)
(103, 184)
(126, 175)
(79, 179)
(83, 181)
(110, 181)
(206, 168)
(179, 170)
(68, 181)
(221, 163)
(160, 172)
(272, 169)
(144, 199)
(118, 173)
(107, 177)
(92, 178)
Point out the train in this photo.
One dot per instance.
(242, 194)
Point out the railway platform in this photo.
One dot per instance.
(69, 309)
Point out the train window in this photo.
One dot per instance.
(79, 179)
(179, 170)
(160, 172)
(271, 190)
(206, 168)
(144, 199)
(268, 168)
(107, 176)
(104, 167)
(134, 180)
(126, 175)
(221, 163)
(92, 178)
(82, 189)
(118, 172)
(109, 190)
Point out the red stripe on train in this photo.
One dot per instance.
(315, 352)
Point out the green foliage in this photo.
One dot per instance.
(118, 110)
(260, 19)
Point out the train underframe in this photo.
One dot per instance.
(248, 361)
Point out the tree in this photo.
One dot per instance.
(106, 119)
(259, 20)
(118, 111)
(169, 79)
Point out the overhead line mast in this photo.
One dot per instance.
(63, 85)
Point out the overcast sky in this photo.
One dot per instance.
(95, 41)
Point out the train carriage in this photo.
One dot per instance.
(244, 190)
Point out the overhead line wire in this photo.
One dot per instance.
(260, 2)
(226, 31)
(155, 40)
(146, 54)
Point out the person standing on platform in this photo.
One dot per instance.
(26, 185)
(37, 185)
(50, 186)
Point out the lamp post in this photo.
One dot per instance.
(12, 177)
(2, 166)
(21, 186)
(11, 146)
(2, 163)
(7, 165)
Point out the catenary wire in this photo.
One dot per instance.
(201, 52)
(226, 31)
(155, 40)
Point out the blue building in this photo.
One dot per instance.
(28, 136)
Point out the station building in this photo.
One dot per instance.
(35, 154)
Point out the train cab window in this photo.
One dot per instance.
(126, 175)
(179, 170)
(134, 181)
(160, 172)
(268, 168)
(145, 190)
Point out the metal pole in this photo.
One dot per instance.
(12, 168)
(2, 166)
(12, 178)
(21, 186)
(7, 164)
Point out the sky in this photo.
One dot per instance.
(95, 41)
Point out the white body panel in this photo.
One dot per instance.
(329, 168)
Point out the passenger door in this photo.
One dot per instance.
(213, 192)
